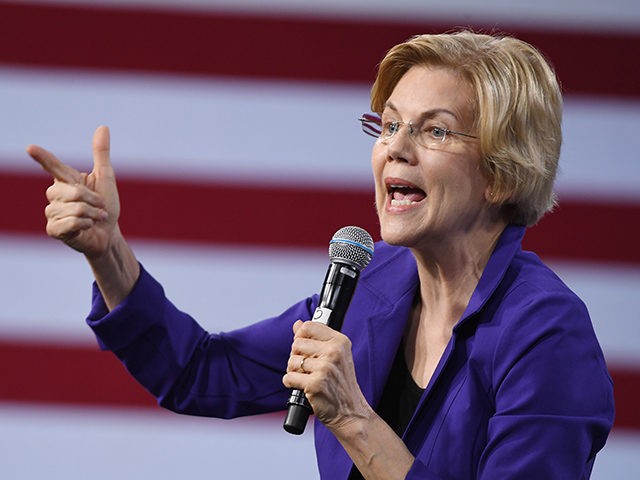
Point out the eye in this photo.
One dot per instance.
(439, 133)
(390, 128)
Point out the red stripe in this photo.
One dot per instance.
(626, 387)
(57, 374)
(587, 230)
(307, 217)
(275, 47)
(192, 212)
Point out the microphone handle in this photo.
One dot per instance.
(337, 290)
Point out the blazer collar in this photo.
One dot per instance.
(385, 296)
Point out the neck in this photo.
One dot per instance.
(449, 272)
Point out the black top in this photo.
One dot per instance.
(399, 400)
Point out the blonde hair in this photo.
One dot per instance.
(517, 108)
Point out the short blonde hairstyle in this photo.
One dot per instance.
(517, 109)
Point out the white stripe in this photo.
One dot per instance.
(78, 443)
(590, 164)
(46, 287)
(46, 291)
(619, 459)
(199, 129)
(611, 295)
(613, 15)
(267, 132)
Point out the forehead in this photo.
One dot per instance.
(423, 89)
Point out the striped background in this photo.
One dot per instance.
(238, 155)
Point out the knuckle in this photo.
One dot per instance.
(55, 231)
(324, 367)
(51, 230)
(52, 191)
(345, 342)
(303, 330)
(297, 344)
(75, 193)
(80, 209)
(333, 356)
(290, 366)
(49, 211)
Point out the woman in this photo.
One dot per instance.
(461, 356)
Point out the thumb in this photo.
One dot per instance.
(101, 150)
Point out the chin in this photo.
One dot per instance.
(396, 235)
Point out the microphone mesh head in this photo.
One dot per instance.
(352, 245)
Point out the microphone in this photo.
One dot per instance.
(350, 250)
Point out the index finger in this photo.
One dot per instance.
(313, 330)
(50, 163)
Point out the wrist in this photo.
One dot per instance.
(374, 447)
(116, 270)
(354, 425)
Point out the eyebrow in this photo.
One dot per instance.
(432, 113)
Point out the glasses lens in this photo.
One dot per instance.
(433, 137)
(371, 124)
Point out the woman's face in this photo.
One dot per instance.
(429, 194)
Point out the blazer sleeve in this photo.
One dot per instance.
(190, 370)
(553, 395)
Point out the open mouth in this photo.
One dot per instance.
(404, 193)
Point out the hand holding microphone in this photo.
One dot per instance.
(321, 358)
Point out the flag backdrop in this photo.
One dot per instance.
(238, 154)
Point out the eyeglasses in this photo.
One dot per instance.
(426, 135)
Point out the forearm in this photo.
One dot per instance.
(374, 447)
(116, 271)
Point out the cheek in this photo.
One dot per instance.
(477, 184)
(377, 157)
(377, 165)
(467, 180)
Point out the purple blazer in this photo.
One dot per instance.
(521, 391)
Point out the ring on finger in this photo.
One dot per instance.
(301, 368)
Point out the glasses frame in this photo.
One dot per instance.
(372, 125)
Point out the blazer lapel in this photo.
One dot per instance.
(382, 307)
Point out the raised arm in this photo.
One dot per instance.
(83, 212)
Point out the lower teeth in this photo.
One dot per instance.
(398, 203)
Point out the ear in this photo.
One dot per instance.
(486, 169)
(498, 194)
(490, 194)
